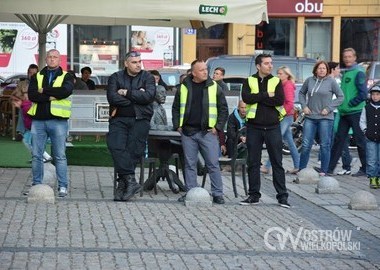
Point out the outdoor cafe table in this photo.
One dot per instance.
(163, 143)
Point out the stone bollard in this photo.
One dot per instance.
(307, 176)
(198, 197)
(328, 185)
(41, 193)
(49, 174)
(363, 200)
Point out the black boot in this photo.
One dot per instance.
(132, 188)
(120, 190)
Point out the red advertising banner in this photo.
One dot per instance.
(155, 44)
(307, 8)
(19, 46)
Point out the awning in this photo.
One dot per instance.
(176, 13)
(43, 15)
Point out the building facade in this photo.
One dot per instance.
(318, 29)
(313, 28)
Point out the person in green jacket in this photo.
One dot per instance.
(355, 93)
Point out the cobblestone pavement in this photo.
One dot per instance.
(87, 230)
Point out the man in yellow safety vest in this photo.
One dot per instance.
(264, 96)
(49, 90)
(199, 111)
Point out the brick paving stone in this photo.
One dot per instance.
(87, 230)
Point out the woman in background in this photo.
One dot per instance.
(287, 80)
(318, 105)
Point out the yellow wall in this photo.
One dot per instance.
(189, 44)
(352, 8)
(241, 38)
(300, 36)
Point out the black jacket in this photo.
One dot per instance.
(372, 115)
(221, 106)
(267, 116)
(42, 99)
(233, 126)
(140, 95)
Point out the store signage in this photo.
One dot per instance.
(102, 112)
(216, 10)
(190, 31)
(295, 8)
(259, 37)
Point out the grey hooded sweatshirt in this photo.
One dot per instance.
(317, 94)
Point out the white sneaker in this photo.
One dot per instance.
(344, 172)
(62, 192)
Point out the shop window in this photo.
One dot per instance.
(317, 43)
(363, 35)
(214, 32)
(277, 37)
(211, 41)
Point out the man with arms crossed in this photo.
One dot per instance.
(264, 96)
(130, 93)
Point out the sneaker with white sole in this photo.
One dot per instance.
(344, 172)
(62, 192)
(251, 200)
(284, 203)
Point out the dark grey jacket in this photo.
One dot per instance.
(141, 100)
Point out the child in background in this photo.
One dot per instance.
(20, 100)
(369, 124)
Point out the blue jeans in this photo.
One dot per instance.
(324, 129)
(27, 140)
(346, 155)
(20, 128)
(56, 130)
(287, 136)
(373, 158)
(208, 144)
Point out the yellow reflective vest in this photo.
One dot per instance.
(62, 107)
(212, 100)
(254, 86)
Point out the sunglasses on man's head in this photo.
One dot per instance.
(132, 54)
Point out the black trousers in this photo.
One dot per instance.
(273, 140)
(345, 123)
(126, 141)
